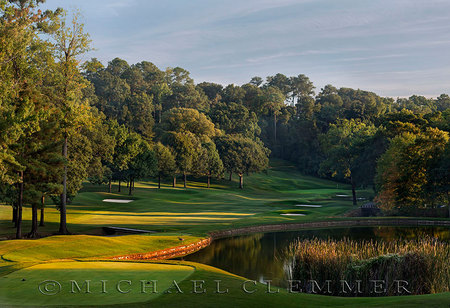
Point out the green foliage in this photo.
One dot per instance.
(342, 145)
(165, 159)
(186, 147)
(233, 118)
(211, 90)
(23, 60)
(188, 120)
(242, 155)
(404, 173)
(208, 162)
(144, 164)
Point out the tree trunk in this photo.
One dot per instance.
(241, 180)
(159, 118)
(14, 214)
(62, 210)
(184, 179)
(159, 180)
(275, 128)
(448, 203)
(19, 208)
(209, 179)
(174, 183)
(130, 188)
(132, 184)
(231, 176)
(353, 191)
(34, 222)
(119, 185)
(109, 186)
(41, 222)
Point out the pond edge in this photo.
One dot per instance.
(183, 250)
(331, 224)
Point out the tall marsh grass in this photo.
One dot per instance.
(424, 264)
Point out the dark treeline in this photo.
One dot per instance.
(62, 122)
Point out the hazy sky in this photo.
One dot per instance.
(392, 47)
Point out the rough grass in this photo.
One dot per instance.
(424, 263)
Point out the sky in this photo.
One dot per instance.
(394, 48)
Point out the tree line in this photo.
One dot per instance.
(63, 122)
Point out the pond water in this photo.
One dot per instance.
(261, 256)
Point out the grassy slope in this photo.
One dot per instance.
(84, 246)
(20, 292)
(197, 209)
(190, 213)
(237, 298)
(20, 287)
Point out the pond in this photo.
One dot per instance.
(261, 256)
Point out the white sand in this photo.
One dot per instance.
(117, 201)
(308, 205)
(342, 195)
(292, 214)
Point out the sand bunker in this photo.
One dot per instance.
(117, 201)
(343, 196)
(308, 205)
(292, 214)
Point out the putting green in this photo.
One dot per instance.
(64, 283)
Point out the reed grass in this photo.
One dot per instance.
(423, 263)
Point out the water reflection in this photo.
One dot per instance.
(262, 256)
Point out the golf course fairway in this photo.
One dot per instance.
(180, 217)
(64, 283)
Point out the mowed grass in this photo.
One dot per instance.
(188, 213)
(197, 209)
(57, 283)
(236, 297)
(21, 288)
(85, 246)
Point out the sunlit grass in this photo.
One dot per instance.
(188, 213)
(195, 209)
(85, 246)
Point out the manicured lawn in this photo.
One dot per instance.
(188, 213)
(237, 298)
(196, 210)
(85, 246)
(22, 287)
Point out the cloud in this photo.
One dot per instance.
(365, 44)
(311, 52)
(114, 7)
